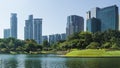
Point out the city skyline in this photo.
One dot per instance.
(53, 13)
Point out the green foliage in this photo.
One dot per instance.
(9, 45)
(115, 46)
(109, 39)
(93, 45)
(73, 36)
(107, 45)
(45, 43)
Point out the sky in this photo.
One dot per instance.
(53, 12)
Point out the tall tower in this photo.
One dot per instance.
(74, 24)
(13, 25)
(37, 30)
(28, 29)
(33, 29)
(119, 22)
(108, 17)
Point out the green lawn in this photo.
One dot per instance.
(94, 53)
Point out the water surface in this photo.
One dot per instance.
(55, 61)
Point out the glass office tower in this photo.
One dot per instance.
(108, 17)
(13, 25)
(74, 24)
(37, 30)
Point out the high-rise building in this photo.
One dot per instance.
(44, 38)
(51, 39)
(93, 13)
(93, 25)
(63, 36)
(33, 29)
(6, 33)
(37, 30)
(13, 25)
(28, 29)
(57, 37)
(108, 17)
(119, 22)
(74, 24)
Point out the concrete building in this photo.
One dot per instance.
(37, 30)
(13, 25)
(74, 24)
(108, 17)
(6, 33)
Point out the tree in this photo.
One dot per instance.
(93, 45)
(73, 36)
(45, 43)
(106, 45)
(2, 45)
(115, 46)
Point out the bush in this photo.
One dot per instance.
(115, 46)
(106, 45)
(93, 45)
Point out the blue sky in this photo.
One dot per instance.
(53, 12)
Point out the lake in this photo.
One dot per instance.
(55, 61)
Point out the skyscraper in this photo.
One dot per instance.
(37, 32)
(119, 22)
(63, 36)
(6, 33)
(51, 39)
(93, 25)
(28, 29)
(33, 29)
(108, 17)
(74, 24)
(57, 37)
(13, 25)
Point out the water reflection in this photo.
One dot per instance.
(53, 61)
(93, 63)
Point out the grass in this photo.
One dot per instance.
(94, 53)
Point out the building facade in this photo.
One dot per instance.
(63, 36)
(37, 30)
(74, 24)
(13, 25)
(51, 39)
(33, 29)
(119, 22)
(44, 38)
(28, 29)
(93, 25)
(6, 33)
(57, 37)
(108, 17)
